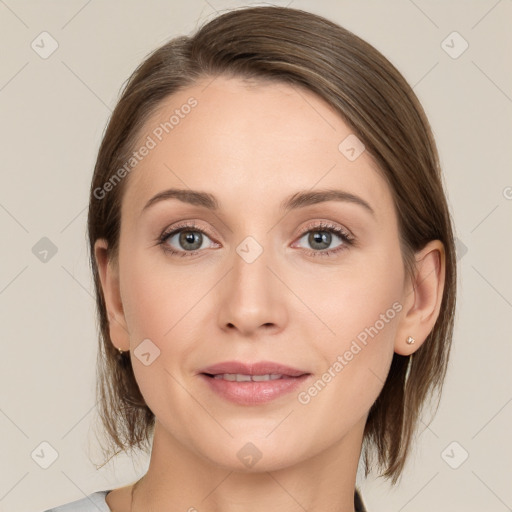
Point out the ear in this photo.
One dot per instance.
(109, 277)
(422, 299)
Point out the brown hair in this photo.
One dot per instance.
(375, 101)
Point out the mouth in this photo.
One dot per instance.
(252, 384)
(242, 372)
(240, 377)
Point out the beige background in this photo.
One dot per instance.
(53, 113)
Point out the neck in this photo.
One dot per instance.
(180, 479)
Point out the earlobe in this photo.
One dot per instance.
(109, 277)
(423, 300)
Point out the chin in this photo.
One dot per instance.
(255, 455)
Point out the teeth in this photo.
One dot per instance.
(238, 377)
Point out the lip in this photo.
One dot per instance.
(253, 393)
(256, 368)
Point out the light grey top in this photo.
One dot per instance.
(95, 502)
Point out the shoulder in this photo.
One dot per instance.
(95, 502)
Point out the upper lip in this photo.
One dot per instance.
(256, 368)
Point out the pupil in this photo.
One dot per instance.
(320, 237)
(188, 237)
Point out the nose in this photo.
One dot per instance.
(252, 298)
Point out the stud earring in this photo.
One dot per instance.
(410, 340)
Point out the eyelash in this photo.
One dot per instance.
(344, 235)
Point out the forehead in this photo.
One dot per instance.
(247, 143)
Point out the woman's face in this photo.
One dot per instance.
(252, 280)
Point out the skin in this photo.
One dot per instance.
(252, 145)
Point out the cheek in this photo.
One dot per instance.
(366, 313)
(162, 305)
(362, 309)
(164, 302)
(363, 296)
(149, 303)
(355, 366)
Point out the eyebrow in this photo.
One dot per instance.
(297, 200)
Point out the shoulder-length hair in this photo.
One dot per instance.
(376, 102)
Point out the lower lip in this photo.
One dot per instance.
(254, 393)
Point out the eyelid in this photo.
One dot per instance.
(186, 224)
(326, 224)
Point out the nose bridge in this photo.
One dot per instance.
(250, 267)
(251, 295)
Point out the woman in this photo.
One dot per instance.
(274, 267)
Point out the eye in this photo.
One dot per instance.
(320, 237)
(188, 239)
(184, 240)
